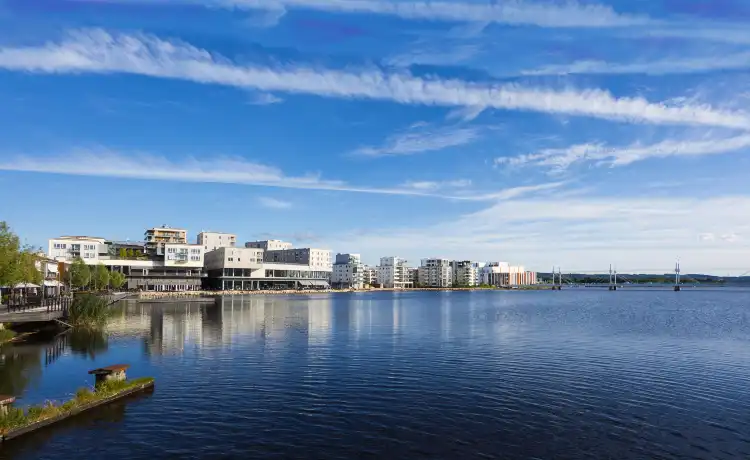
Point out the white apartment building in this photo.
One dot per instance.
(171, 267)
(215, 240)
(465, 273)
(318, 259)
(436, 272)
(348, 272)
(69, 248)
(247, 269)
(269, 245)
(369, 275)
(393, 273)
(155, 238)
(504, 274)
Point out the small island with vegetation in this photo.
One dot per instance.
(111, 385)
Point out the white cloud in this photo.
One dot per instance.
(425, 140)
(468, 113)
(433, 185)
(429, 56)
(274, 203)
(96, 51)
(544, 14)
(581, 234)
(560, 159)
(674, 65)
(267, 18)
(217, 169)
(264, 99)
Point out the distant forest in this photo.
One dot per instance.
(646, 279)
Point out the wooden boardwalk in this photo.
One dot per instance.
(31, 316)
(54, 309)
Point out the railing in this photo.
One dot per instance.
(20, 304)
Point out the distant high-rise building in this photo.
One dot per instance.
(348, 272)
(393, 273)
(436, 272)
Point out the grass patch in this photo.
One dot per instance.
(6, 335)
(17, 418)
(89, 311)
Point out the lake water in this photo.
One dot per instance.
(576, 374)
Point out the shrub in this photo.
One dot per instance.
(88, 310)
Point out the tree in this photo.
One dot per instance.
(129, 253)
(123, 253)
(17, 264)
(9, 254)
(101, 276)
(137, 253)
(80, 274)
(27, 267)
(116, 280)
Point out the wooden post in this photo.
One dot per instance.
(5, 402)
(110, 373)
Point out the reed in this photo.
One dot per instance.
(88, 310)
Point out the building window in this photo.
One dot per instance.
(195, 258)
(231, 259)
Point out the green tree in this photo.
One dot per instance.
(27, 267)
(137, 253)
(10, 247)
(123, 253)
(116, 280)
(80, 274)
(16, 264)
(101, 276)
(129, 253)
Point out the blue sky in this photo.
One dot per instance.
(573, 134)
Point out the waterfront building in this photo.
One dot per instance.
(436, 272)
(248, 269)
(393, 273)
(269, 245)
(504, 274)
(348, 272)
(69, 248)
(155, 238)
(413, 274)
(215, 240)
(465, 273)
(170, 267)
(369, 276)
(319, 259)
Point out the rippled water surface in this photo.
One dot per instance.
(457, 375)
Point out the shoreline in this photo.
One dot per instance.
(209, 295)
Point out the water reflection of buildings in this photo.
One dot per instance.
(172, 327)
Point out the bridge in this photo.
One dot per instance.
(37, 309)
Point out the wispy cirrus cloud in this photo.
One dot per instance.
(96, 51)
(571, 13)
(558, 160)
(264, 99)
(674, 65)
(421, 140)
(221, 169)
(274, 203)
(435, 185)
